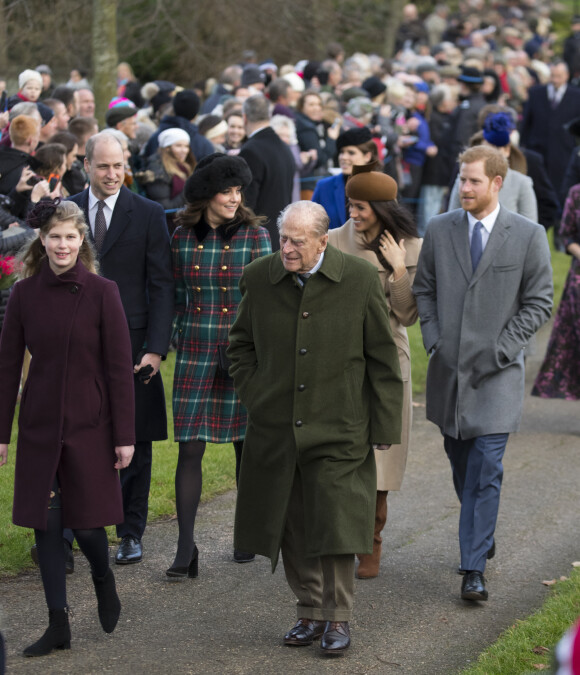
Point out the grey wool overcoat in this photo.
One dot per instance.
(476, 325)
(318, 371)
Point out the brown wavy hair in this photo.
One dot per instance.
(192, 213)
(33, 254)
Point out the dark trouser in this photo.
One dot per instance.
(324, 586)
(477, 474)
(135, 484)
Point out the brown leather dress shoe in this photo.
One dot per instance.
(304, 632)
(336, 638)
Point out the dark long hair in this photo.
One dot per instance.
(397, 220)
(193, 212)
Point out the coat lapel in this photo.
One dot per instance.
(460, 243)
(119, 220)
(83, 203)
(496, 240)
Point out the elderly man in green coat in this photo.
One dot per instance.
(315, 364)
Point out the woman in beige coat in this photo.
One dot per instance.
(384, 233)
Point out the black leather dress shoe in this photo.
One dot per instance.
(241, 557)
(304, 632)
(490, 555)
(473, 586)
(336, 638)
(130, 551)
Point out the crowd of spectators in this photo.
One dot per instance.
(422, 108)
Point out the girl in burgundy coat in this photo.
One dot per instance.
(75, 427)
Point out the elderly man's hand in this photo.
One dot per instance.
(381, 446)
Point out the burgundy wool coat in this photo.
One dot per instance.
(78, 401)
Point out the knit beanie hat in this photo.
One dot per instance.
(295, 81)
(497, 129)
(252, 75)
(374, 86)
(158, 93)
(45, 112)
(171, 136)
(27, 75)
(186, 104)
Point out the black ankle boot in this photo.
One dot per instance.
(108, 601)
(56, 636)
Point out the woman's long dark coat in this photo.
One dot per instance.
(78, 401)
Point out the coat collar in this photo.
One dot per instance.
(332, 266)
(225, 231)
(77, 275)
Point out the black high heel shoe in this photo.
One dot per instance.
(183, 572)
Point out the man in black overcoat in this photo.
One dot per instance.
(132, 241)
(544, 127)
(271, 163)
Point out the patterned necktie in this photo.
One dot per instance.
(476, 245)
(100, 225)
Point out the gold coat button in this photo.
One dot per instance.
(199, 247)
(226, 248)
(225, 310)
(198, 309)
(196, 267)
(223, 288)
(198, 289)
(224, 267)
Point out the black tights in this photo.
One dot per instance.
(52, 556)
(188, 483)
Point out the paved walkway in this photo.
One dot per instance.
(408, 620)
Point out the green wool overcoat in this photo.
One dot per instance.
(318, 371)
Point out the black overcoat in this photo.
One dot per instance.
(136, 255)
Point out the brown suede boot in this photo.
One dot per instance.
(369, 562)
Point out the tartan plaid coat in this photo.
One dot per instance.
(207, 266)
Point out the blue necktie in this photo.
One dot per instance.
(476, 245)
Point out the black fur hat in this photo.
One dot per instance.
(354, 136)
(215, 173)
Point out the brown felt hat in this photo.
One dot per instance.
(370, 186)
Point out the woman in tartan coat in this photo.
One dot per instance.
(216, 238)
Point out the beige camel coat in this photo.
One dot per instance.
(403, 312)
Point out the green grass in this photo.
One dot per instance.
(513, 652)
(218, 477)
(218, 462)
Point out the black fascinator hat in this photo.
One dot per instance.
(42, 212)
(215, 173)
